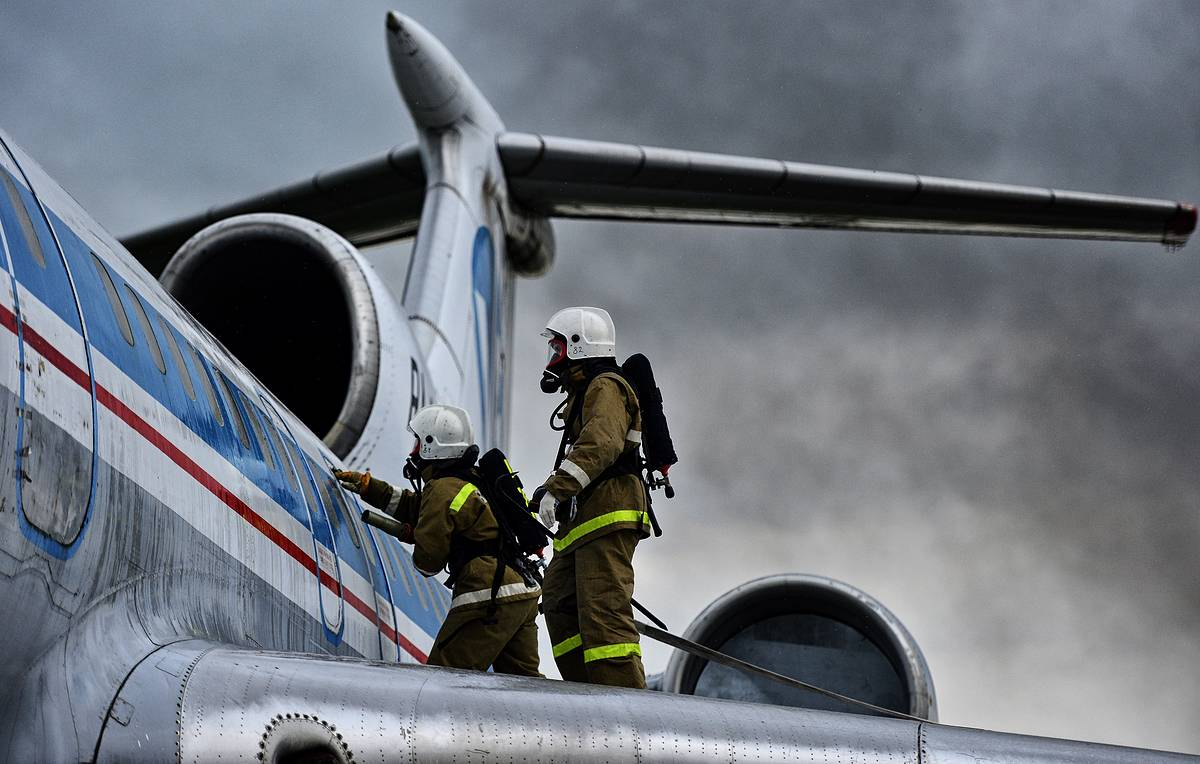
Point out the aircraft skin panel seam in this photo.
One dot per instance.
(290, 543)
(41, 348)
(437, 330)
(125, 680)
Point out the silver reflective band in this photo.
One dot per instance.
(483, 595)
(394, 501)
(634, 436)
(426, 573)
(574, 470)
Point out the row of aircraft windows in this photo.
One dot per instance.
(244, 416)
(239, 406)
(276, 449)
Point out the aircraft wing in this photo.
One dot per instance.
(380, 199)
(195, 700)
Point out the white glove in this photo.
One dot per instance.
(543, 503)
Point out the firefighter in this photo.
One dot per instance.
(597, 496)
(451, 525)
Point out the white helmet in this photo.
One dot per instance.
(443, 432)
(584, 333)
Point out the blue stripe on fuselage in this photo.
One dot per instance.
(168, 389)
(482, 258)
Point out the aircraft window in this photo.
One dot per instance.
(341, 507)
(114, 300)
(306, 484)
(389, 550)
(235, 414)
(23, 219)
(357, 532)
(277, 445)
(184, 375)
(144, 322)
(255, 425)
(207, 384)
(335, 514)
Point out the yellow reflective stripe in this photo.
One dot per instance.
(567, 645)
(611, 651)
(508, 467)
(620, 516)
(463, 494)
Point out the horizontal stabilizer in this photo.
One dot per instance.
(380, 199)
(588, 179)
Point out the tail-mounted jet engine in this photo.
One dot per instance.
(815, 629)
(302, 309)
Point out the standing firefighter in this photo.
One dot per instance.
(598, 497)
(451, 524)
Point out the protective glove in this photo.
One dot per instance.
(352, 481)
(544, 503)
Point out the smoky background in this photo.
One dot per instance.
(995, 438)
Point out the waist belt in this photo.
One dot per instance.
(628, 463)
(464, 550)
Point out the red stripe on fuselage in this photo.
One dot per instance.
(227, 497)
(8, 319)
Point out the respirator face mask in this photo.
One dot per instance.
(556, 359)
(413, 465)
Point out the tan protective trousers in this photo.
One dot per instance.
(586, 598)
(508, 643)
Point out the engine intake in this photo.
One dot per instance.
(291, 300)
(812, 628)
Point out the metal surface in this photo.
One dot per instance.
(209, 610)
(466, 224)
(385, 523)
(592, 179)
(227, 251)
(231, 701)
(232, 704)
(697, 650)
(955, 745)
(567, 177)
(375, 200)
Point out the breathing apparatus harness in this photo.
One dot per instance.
(519, 539)
(656, 438)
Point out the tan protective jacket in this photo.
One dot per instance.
(451, 509)
(611, 425)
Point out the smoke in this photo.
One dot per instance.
(995, 438)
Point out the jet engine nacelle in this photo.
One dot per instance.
(305, 311)
(815, 629)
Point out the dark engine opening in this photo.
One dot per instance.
(816, 629)
(276, 303)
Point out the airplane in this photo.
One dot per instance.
(193, 584)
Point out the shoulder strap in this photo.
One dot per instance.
(575, 412)
(620, 378)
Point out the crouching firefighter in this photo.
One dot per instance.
(599, 498)
(459, 519)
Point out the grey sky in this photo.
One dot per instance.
(996, 438)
